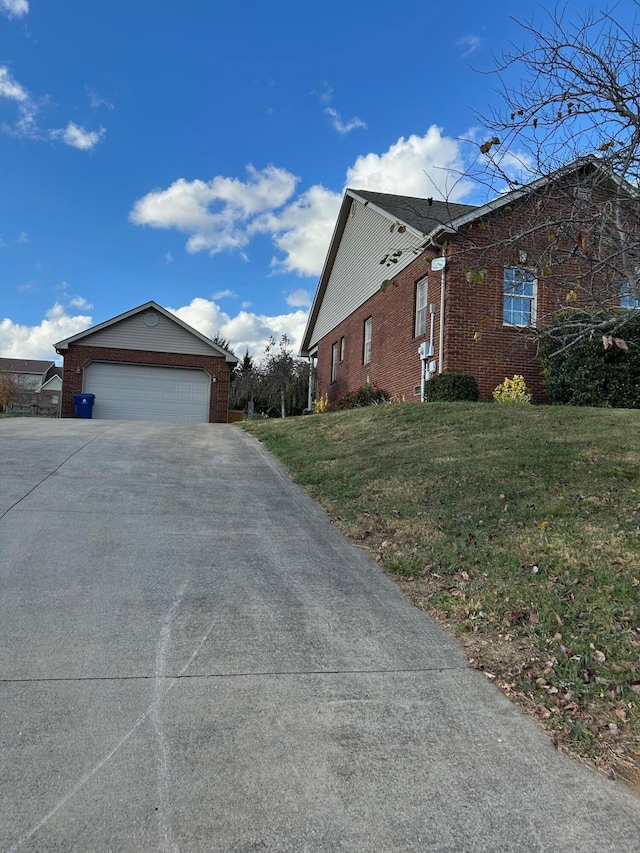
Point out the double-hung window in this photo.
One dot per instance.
(627, 298)
(334, 362)
(519, 297)
(366, 353)
(421, 308)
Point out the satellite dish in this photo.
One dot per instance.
(438, 264)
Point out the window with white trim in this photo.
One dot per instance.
(519, 297)
(627, 299)
(334, 362)
(366, 353)
(342, 348)
(421, 307)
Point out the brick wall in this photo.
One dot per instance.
(81, 356)
(476, 340)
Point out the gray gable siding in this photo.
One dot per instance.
(357, 273)
(133, 333)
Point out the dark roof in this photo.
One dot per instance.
(423, 214)
(24, 365)
(53, 371)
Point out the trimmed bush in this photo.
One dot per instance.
(588, 374)
(366, 395)
(451, 388)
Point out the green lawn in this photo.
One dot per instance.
(516, 527)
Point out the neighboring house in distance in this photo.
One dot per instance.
(50, 392)
(29, 377)
(473, 307)
(147, 365)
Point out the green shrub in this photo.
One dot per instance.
(513, 392)
(451, 388)
(366, 395)
(588, 374)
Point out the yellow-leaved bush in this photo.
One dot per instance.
(321, 405)
(513, 392)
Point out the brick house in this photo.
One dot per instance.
(147, 364)
(36, 382)
(466, 283)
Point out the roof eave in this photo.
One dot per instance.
(63, 345)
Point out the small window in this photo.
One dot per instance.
(627, 299)
(519, 306)
(366, 356)
(342, 349)
(421, 308)
(334, 362)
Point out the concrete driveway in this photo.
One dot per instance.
(193, 659)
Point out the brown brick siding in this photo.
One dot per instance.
(476, 341)
(81, 356)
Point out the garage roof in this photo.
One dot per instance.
(61, 346)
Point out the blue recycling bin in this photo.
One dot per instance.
(83, 404)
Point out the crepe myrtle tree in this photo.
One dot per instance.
(570, 123)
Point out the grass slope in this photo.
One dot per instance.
(516, 527)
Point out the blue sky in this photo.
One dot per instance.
(195, 153)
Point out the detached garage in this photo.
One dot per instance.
(147, 365)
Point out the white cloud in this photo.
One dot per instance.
(343, 127)
(26, 125)
(299, 298)
(245, 331)
(224, 214)
(168, 258)
(20, 341)
(470, 44)
(223, 294)
(78, 137)
(325, 95)
(302, 230)
(420, 166)
(80, 302)
(14, 8)
(215, 213)
(96, 101)
(9, 87)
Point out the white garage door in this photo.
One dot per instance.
(137, 392)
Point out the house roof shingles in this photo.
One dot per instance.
(423, 214)
(24, 365)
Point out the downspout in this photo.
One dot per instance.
(311, 388)
(442, 247)
(443, 281)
